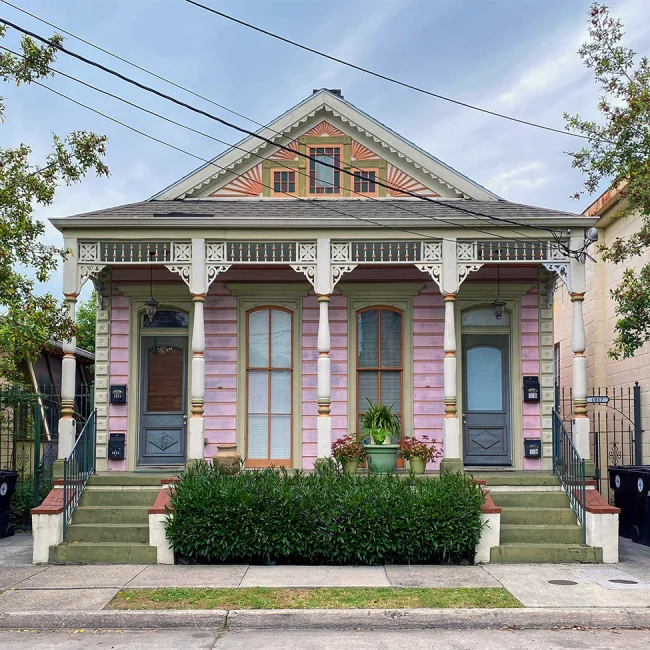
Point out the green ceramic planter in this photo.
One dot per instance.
(417, 465)
(382, 458)
(350, 466)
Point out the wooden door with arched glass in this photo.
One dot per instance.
(269, 383)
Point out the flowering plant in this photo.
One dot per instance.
(425, 449)
(348, 448)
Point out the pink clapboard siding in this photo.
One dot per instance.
(428, 355)
(220, 409)
(119, 368)
(530, 365)
(338, 320)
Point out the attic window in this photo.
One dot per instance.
(324, 179)
(284, 182)
(364, 182)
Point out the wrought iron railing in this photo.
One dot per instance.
(77, 469)
(568, 465)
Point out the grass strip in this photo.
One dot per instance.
(319, 598)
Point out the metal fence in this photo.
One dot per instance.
(29, 432)
(77, 468)
(615, 428)
(568, 465)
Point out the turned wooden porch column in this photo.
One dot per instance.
(323, 287)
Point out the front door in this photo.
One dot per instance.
(486, 403)
(163, 419)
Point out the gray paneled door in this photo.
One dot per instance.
(163, 400)
(486, 399)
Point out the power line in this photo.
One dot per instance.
(257, 135)
(383, 76)
(527, 239)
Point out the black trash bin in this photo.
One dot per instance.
(7, 487)
(631, 486)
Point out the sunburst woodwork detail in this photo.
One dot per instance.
(401, 181)
(283, 154)
(248, 184)
(324, 129)
(359, 152)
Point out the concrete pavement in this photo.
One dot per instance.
(326, 639)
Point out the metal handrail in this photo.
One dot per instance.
(568, 465)
(77, 469)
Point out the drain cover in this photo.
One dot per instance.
(562, 582)
(620, 581)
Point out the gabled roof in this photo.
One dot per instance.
(325, 104)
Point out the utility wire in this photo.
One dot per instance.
(382, 76)
(260, 137)
(526, 240)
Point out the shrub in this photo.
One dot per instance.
(22, 500)
(267, 516)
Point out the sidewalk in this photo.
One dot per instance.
(89, 588)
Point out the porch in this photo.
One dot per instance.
(277, 345)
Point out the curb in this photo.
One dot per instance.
(333, 619)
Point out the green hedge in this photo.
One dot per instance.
(268, 516)
(22, 500)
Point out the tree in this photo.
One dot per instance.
(85, 322)
(29, 320)
(618, 152)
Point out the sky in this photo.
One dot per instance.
(517, 57)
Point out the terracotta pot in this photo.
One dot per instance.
(417, 465)
(227, 458)
(350, 466)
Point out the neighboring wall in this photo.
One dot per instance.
(600, 323)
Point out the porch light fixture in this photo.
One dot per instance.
(151, 304)
(498, 304)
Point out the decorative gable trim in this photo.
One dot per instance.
(248, 184)
(283, 154)
(323, 130)
(289, 126)
(402, 181)
(359, 152)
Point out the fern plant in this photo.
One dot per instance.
(379, 422)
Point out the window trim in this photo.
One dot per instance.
(379, 369)
(259, 462)
(272, 173)
(337, 187)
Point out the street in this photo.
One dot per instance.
(324, 639)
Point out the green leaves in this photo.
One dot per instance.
(86, 322)
(29, 321)
(379, 422)
(269, 516)
(619, 153)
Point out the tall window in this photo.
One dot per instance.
(324, 179)
(269, 370)
(379, 359)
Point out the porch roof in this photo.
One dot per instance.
(314, 213)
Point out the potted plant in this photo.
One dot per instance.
(380, 425)
(419, 452)
(349, 452)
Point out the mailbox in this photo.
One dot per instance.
(532, 448)
(116, 442)
(118, 394)
(531, 389)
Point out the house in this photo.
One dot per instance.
(265, 297)
(616, 378)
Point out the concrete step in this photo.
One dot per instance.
(129, 533)
(103, 552)
(516, 479)
(530, 499)
(128, 478)
(545, 553)
(117, 497)
(538, 516)
(110, 515)
(537, 534)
